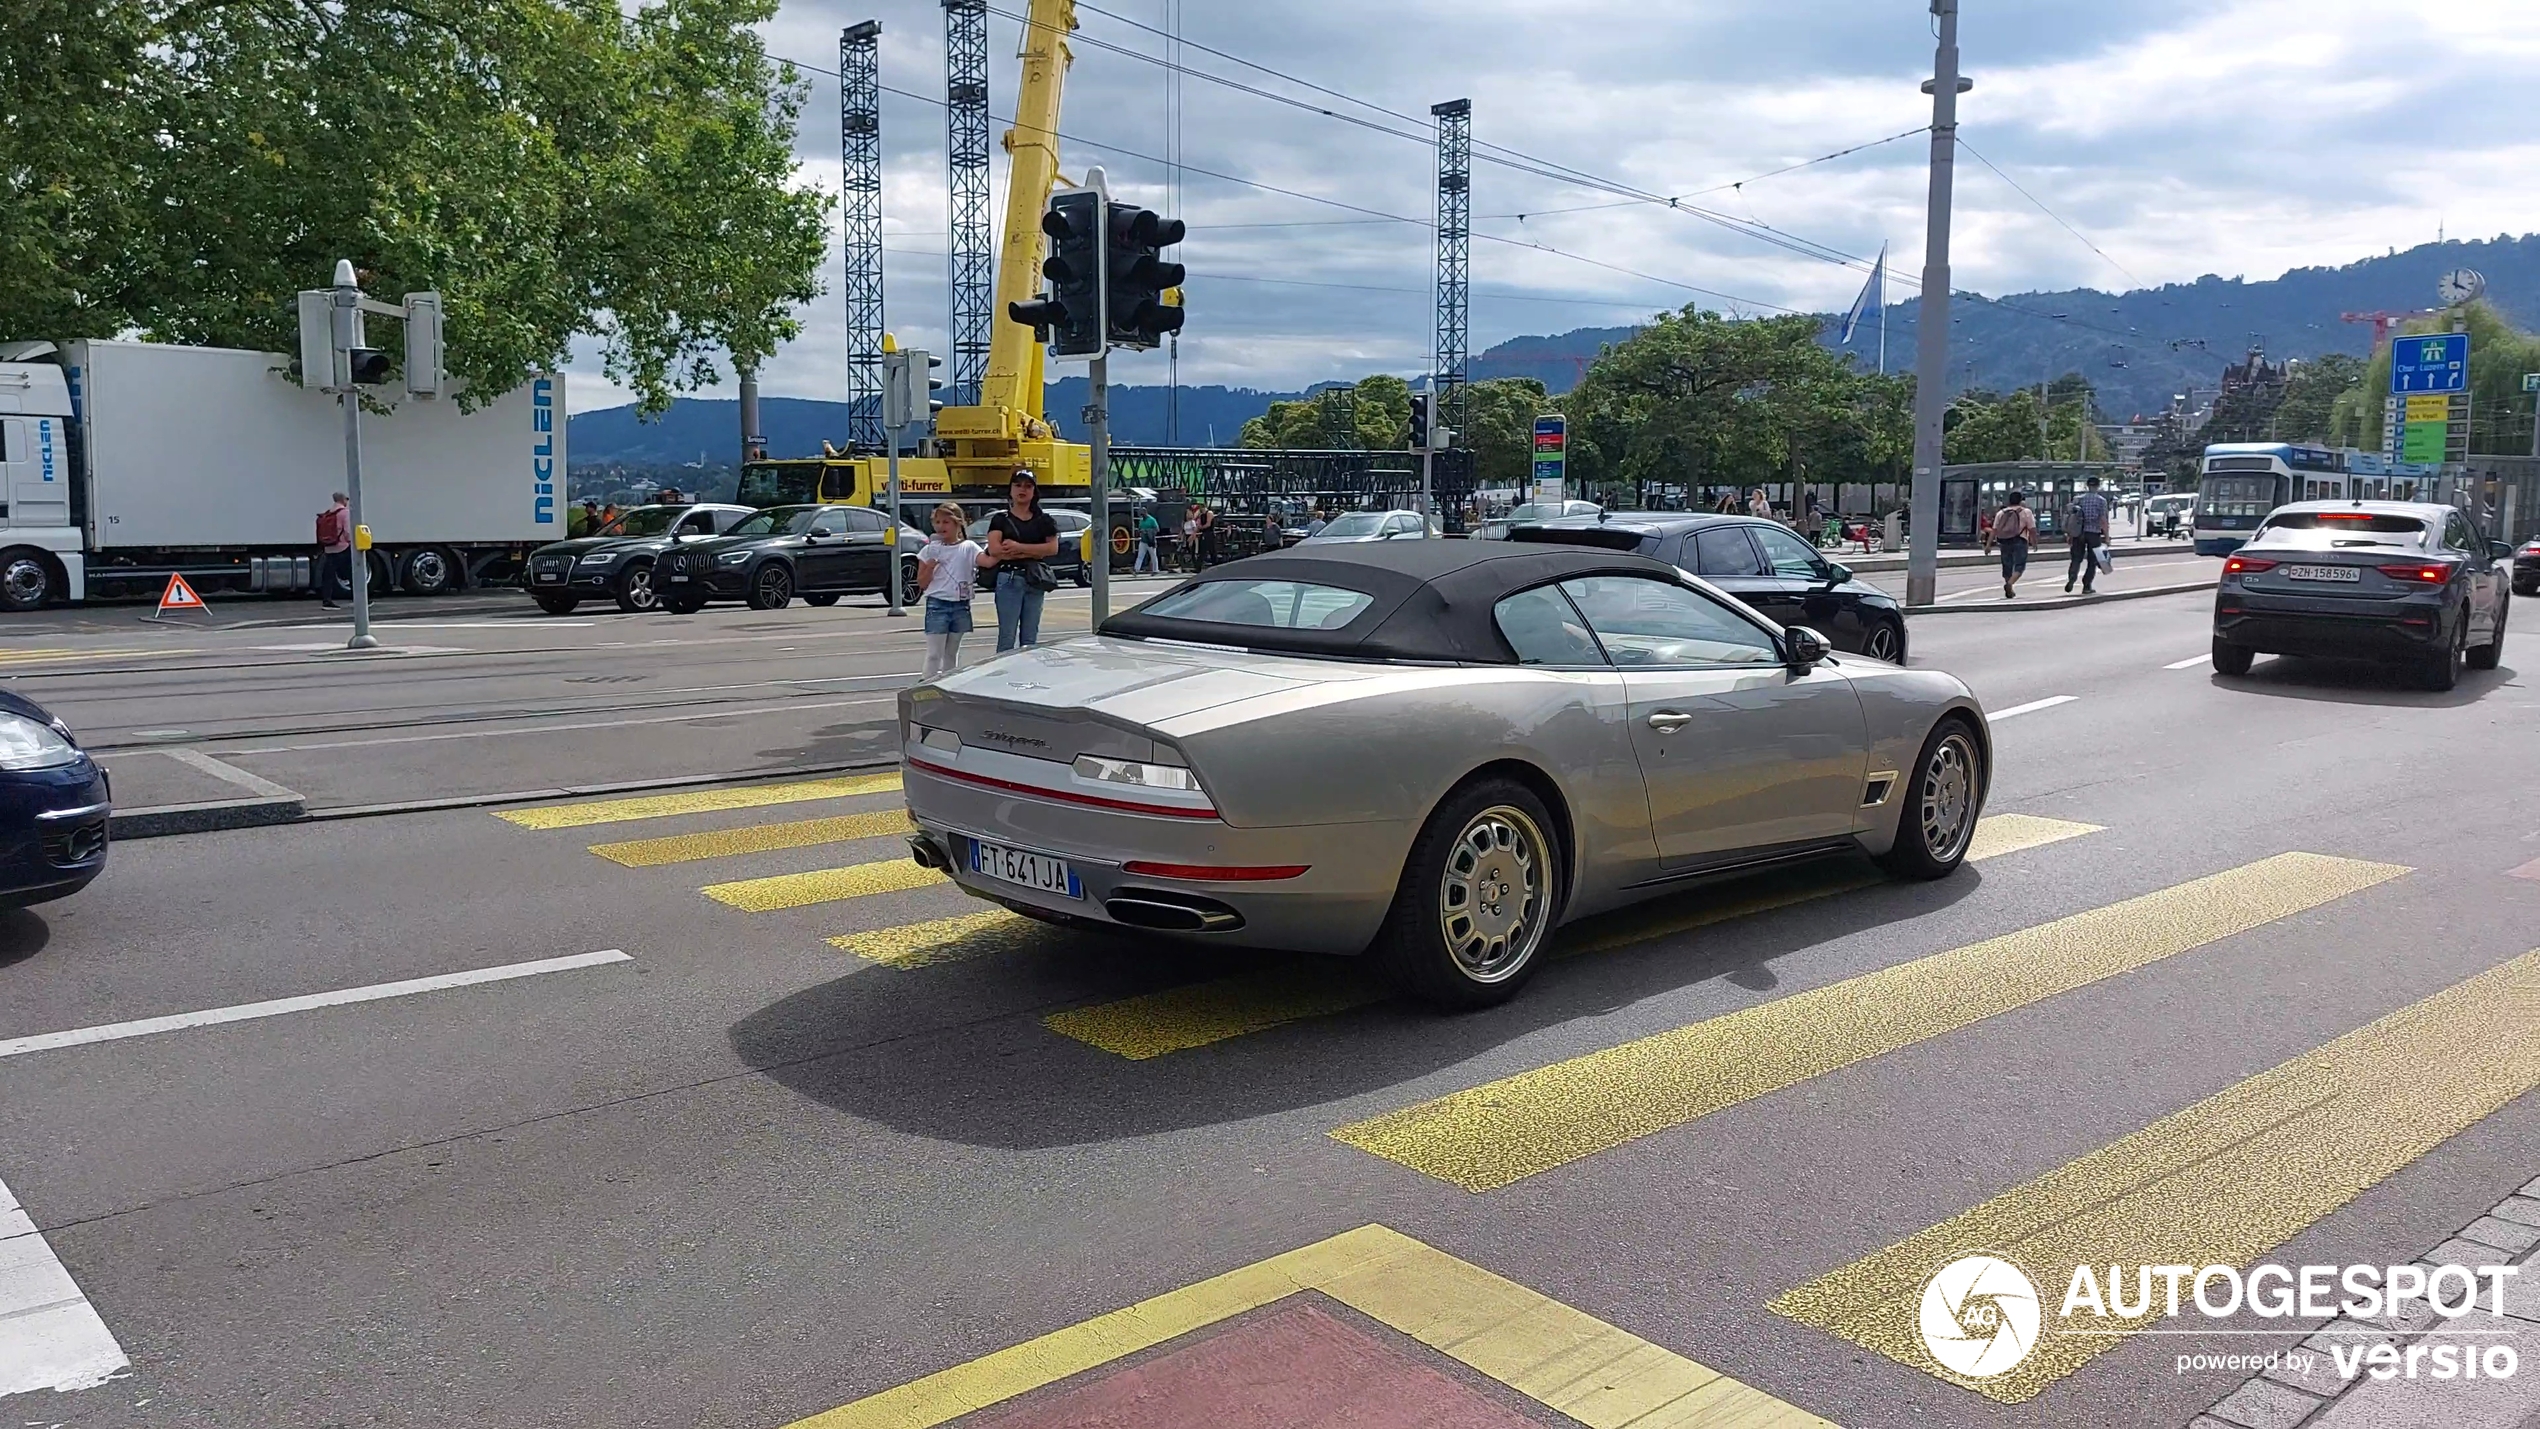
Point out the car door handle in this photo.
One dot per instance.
(1668, 721)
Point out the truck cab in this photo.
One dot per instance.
(39, 537)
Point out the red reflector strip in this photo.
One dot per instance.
(1214, 873)
(1064, 796)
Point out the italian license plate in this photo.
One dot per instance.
(2324, 573)
(1036, 871)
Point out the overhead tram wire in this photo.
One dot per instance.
(2050, 213)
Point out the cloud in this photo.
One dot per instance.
(2242, 137)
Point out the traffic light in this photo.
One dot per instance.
(1419, 421)
(423, 345)
(1139, 313)
(370, 366)
(905, 403)
(1070, 317)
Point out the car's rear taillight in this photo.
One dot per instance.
(2433, 573)
(2244, 565)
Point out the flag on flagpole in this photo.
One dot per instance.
(1873, 298)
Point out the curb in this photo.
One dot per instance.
(218, 814)
(1886, 562)
(2067, 602)
(206, 816)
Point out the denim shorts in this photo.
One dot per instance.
(947, 617)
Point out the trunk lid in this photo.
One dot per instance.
(1097, 696)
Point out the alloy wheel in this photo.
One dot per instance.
(1881, 644)
(1491, 894)
(1948, 803)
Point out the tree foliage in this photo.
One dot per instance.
(2311, 393)
(1697, 399)
(2026, 425)
(555, 168)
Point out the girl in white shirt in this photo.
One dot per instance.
(947, 568)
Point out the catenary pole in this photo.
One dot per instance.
(1931, 334)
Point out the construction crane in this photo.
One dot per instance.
(2383, 322)
(977, 449)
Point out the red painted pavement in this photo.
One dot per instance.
(1296, 1366)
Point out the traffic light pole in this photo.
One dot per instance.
(891, 525)
(348, 336)
(1098, 426)
(1428, 501)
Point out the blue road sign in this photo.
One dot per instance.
(2430, 364)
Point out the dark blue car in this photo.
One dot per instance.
(54, 807)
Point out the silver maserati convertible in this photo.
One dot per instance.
(1428, 752)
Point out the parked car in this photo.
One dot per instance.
(2527, 568)
(1503, 738)
(617, 560)
(817, 552)
(1762, 563)
(1497, 529)
(1354, 526)
(2398, 581)
(1069, 564)
(55, 807)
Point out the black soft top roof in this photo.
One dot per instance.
(1431, 600)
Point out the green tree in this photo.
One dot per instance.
(1987, 426)
(556, 168)
(2311, 393)
(74, 137)
(1499, 427)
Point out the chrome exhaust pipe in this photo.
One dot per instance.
(922, 849)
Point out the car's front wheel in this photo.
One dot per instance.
(1943, 796)
(2484, 657)
(634, 590)
(1477, 899)
(772, 588)
(1885, 641)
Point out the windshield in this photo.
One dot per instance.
(642, 521)
(776, 521)
(771, 484)
(1279, 605)
(2237, 496)
(1356, 523)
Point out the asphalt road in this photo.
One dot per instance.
(739, 1173)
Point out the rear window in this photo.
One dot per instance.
(2372, 521)
(1267, 604)
(1607, 538)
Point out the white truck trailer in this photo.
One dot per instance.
(122, 463)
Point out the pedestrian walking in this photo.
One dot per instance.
(948, 572)
(2086, 531)
(2012, 529)
(1148, 529)
(1020, 539)
(335, 550)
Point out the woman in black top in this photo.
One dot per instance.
(1021, 533)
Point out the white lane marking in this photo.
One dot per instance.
(2032, 707)
(1969, 595)
(396, 625)
(50, 1336)
(251, 1011)
(228, 773)
(2189, 663)
(561, 728)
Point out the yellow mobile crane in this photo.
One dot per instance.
(978, 449)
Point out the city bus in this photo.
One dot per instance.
(2243, 481)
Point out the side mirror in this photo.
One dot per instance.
(819, 533)
(1803, 649)
(2501, 550)
(1838, 572)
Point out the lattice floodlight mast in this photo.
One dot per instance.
(860, 160)
(972, 269)
(1455, 214)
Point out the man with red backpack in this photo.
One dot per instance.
(335, 549)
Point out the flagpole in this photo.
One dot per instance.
(1882, 275)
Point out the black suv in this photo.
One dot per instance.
(616, 561)
(816, 552)
(1763, 563)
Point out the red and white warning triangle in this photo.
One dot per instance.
(179, 596)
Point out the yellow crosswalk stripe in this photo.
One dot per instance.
(946, 940)
(825, 885)
(45, 655)
(1180, 1018)
(756, 838)
(701, 801)
(1504, 1131)
(2221, 1183)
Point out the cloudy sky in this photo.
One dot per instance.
(2180, 137)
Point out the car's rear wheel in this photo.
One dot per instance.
(2230, 659)
(1885, 641)
(1477, 899)
(824, 598)
(2484, 657)
(2442, 672)
(556, 604)
(1943, 796)
(634, 590)
(772, 588)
